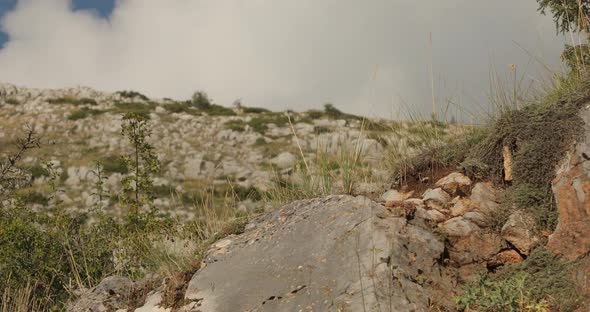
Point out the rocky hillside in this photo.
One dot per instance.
(239, 149)
(308, 211)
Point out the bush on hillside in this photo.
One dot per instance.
(540, 283)
(201, 100)
(141, 109)
(132, 95)
(84, 112)
(114, 164)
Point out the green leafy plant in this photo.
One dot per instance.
(114, 164)
(72, 100)
(38, 171)
(569, 15)
(181, 107)
(201, 100)
(12, 101)
(84, 112)
(142, 162)
(12, 175)
(132, 95)
(541, 283)
(236, 125)
(255, 110)
(141, 109)
(99, 189)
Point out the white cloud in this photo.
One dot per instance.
(277, 53)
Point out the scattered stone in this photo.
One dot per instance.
(519, 231)
(478, 218)
(436, 199)
(284, 160)
(436, 216)
(394, 195)
(504, 257)
(461, 206)
(459, 226)
(111, 294)
(455, 184)
(152, 304)
(486, 197)
(476, 248)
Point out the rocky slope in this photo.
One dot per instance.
(197, 149)
(408, 251)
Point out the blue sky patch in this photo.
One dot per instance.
(103, 7)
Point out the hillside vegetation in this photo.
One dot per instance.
(95, 185)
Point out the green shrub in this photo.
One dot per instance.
(538, 135)
(57, 252)
(38, 171)
(12, 101)
(542, 280)
(163, 191)
(201, 100)
(218, 110)
(33, 197)
(314, 114)
(87, 101)
(535, 200)
(433, 153)
(509, 294)
(260, 123)
(114, 164)
(255, 110)
(331, 112)
(320, 130)
(84, 112)
(132, 95)
(72, 100)
(141, 109)
(181, 107)
(243, 193)
(193, 198)
(260, 141)
(236, 125)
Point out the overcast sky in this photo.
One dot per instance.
(370, 57)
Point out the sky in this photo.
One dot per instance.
(371, 57)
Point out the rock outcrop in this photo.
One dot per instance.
(337, 253)
(571, 188)
(111, 294)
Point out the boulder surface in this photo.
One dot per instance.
(337, 253)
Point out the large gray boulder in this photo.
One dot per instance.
(337, 253)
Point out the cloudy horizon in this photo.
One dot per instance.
(366, 57)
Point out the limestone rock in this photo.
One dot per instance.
(571, 189)
(436, 216)
(309, 253)
(455, 184)
(459, 226)
(519, 231)
(152, 303)
(394, 195)
(284, 160)
(436, 199)
(505, 257)
(477, 247)
(478, 218)
(461, 206)
(111, 294)
(486, 197)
